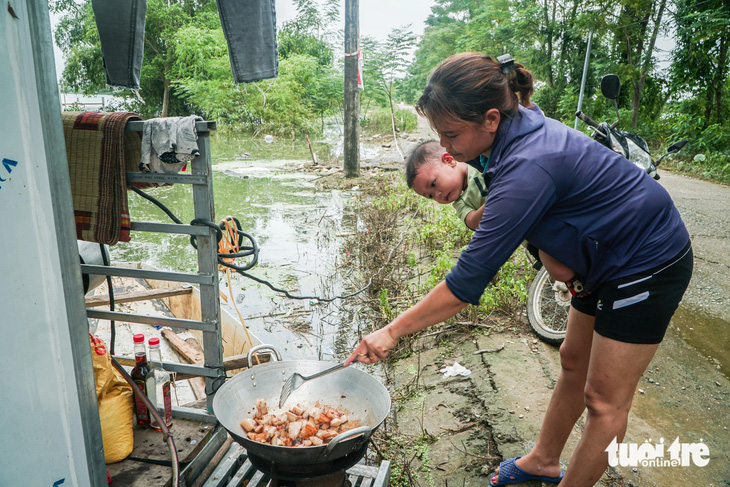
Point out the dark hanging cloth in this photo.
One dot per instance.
(248, 25)
(250, 30)
(121, 32)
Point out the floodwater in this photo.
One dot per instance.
(299, 231)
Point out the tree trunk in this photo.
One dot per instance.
(563, 63)
(639, 86)
(549, 25)
(392, 122)
(708, 107)
(720, 75)
(166, 96)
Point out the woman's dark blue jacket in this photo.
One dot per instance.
(571, 197)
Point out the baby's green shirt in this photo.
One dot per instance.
(471, 198)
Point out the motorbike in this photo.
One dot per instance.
(548, 301)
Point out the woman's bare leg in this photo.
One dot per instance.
(568, 400)
(614, 371)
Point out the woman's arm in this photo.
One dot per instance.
(440, 304)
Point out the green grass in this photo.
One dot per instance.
(378, 121)
(713, 167)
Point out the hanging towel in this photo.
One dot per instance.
(99, 152)
(249, 27)
(168, 144)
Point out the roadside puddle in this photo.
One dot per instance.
(709, 335)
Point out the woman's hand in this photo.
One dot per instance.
(373, 347)
(438, 305)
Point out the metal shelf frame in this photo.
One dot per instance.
(201, 180)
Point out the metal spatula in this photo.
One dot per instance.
(296, 380)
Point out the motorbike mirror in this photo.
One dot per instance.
(677, 146)
(610, 86)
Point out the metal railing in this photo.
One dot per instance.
(201, 180)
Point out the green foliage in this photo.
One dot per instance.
(508, 290)
(385, 65)
(442, 227)
(76, 35)
(395, 195)
(703, 137)
(385, 308)
(700, 65)
(442, 261)
(186, 67)
(292, 41)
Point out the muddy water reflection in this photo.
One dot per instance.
(709, 335)
(299, 231)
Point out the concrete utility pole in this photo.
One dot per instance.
(352, 92)
(583, 79)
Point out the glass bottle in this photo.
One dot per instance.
(140, 373)
(163, 399)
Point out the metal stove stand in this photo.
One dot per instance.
(235, 470)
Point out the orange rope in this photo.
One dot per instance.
(229, 245)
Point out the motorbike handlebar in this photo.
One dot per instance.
(586, 119)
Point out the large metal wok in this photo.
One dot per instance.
(352, 390)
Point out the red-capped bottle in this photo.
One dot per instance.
(141, 373)
(161, 397)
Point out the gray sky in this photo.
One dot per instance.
(377, 17)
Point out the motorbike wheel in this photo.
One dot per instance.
(547, 308)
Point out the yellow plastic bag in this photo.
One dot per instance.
(116, 404)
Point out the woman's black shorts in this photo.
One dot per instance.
(638, 308)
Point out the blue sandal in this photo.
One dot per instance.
(510, 473)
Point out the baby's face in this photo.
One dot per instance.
(441, 181)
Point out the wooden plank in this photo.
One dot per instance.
(191, 355)
(234, 362)
(194, 343)
(181, 346)
(145, 295)
(241, 361)
(196, 383)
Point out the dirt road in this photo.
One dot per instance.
(704, 318)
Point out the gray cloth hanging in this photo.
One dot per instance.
(121, 32)
(168, 144)
(250, 30)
